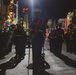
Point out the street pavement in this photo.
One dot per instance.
(66, 65)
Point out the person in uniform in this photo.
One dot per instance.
(69, 38)
(51, 38)
(59, 40)
(37, 42)
(19, 38)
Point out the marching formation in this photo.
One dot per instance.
(57, 38)
(36, 37)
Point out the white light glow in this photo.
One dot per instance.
(32, 1)
(8, 16)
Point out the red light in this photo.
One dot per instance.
(24, 9)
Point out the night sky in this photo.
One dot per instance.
(50, 8)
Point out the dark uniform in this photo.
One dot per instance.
(69, 37)
(19, 38)
(59, 40)
(52, 40)
(38, 31)
(74, 34)
(37, 44)
(68, 42)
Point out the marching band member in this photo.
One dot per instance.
(37, 42)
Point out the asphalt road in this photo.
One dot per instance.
(66, 65)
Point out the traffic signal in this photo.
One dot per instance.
(24, 10)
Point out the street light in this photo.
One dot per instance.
(32, 2)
